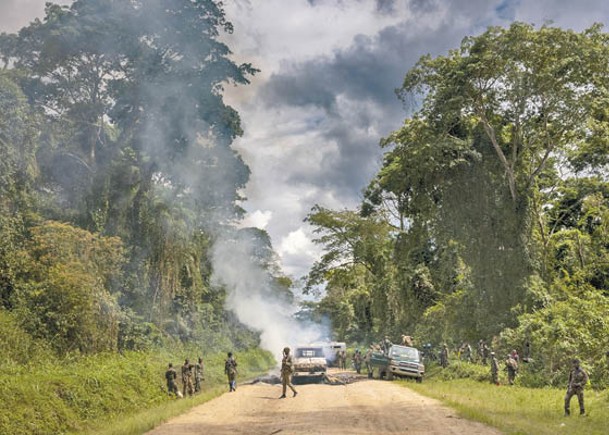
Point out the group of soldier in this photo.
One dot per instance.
(578, 378)
(192, 376)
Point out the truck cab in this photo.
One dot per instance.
(309, 363)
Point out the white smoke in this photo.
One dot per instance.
(252, 298)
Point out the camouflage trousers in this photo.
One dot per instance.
(187, 386)
(579, 392)
(286, 381)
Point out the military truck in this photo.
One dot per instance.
(399, 361)
(310, 364)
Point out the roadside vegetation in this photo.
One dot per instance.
(513, 409)
(76, 394)
(117, 179)
(489, 218)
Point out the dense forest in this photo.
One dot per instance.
(117, 178)
(489, 218)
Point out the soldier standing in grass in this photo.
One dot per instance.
(287, 368)
(187, 386)
(171, 375)
(230, 369)
(511, 365)
(198, 375)
(444, 356)
(494, 369)
(577, 380)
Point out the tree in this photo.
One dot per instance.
(535, 93)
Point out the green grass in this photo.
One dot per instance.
(516, 409)
(110, 393)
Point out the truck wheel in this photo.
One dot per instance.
(389, 375)
(419, 380)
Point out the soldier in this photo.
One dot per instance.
(343, 359)
(230, 370)
(368, 361)
(444, 356)
(187, 379)
(338, 359)
(511, 365)
(407, 340)
(494, 369)
(171, 375)
(198, 375)
(287, 368)
(386, 345)
(466, 352)
(357, 361)
(577, 380)
(482, 351)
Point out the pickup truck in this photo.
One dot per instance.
(399, 361)
(309, 363)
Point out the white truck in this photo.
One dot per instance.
(309, 363)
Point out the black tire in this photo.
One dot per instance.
(420, 380)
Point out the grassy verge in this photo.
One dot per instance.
(90, 395)
(519, 410)
(251, 364)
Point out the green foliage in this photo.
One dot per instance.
(49, 397)
(64, 294)
(494, 199)
(574, 325)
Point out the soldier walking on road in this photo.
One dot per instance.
(287, 368)
(171, 375)
(494, 369)
(577, 380)
(230, 370)
(187, 386)
(444, 356)
(198, 374)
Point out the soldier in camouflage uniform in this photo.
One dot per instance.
(511, 365)
(170, 376)
(368, 361)
(357, 361)
(287, 368)
(187, 386)
(444, 356)
(198, 374)
(494, 369)
(230, 370)
(577, 380)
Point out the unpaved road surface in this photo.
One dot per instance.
(363, 407)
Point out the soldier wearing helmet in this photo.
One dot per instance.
(287, 368)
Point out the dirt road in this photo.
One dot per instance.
(364, 407)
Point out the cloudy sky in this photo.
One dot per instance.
(325, 96)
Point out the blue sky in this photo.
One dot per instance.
(315, 114)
